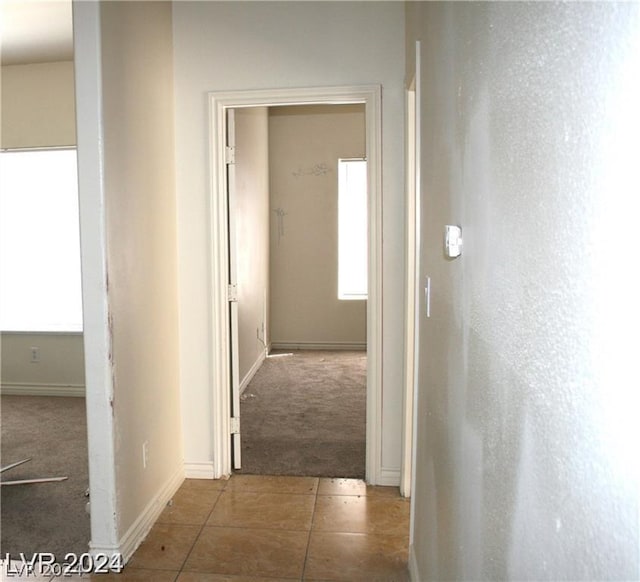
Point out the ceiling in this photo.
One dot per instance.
(35, 31)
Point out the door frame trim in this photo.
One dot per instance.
(371, 97)
(411, 299)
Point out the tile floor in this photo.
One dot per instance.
(263, 528)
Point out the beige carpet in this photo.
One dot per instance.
(304, 413)
(46, 517)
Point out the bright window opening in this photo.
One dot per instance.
(40, 286)
(352, 229)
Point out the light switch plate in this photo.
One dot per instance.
(452, 241)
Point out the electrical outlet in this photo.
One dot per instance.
(145, 454)
(35, 355)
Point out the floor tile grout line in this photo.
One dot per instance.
(313, 517)
(256, 528)
(272, 493)
(195, 541)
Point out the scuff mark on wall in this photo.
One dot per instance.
(280, 214)
(320, 169)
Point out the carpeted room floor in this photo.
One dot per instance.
(304, 413)
(46, 517)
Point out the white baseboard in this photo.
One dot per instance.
(359, 346)
(252, 372)
(35, 389)
(199, 471)
(389, 477)
(414, 573)
(141, 526)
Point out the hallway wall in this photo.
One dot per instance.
(233, 46)
(139, 170)
(124, 84)
(527, 404)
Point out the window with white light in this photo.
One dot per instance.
(352, 229)
(40, 279)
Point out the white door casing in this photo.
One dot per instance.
(417, 83)
(411, 285)
(232, 283)
(220, 358)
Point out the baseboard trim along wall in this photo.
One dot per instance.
(359, 346)
(33, 389)
(199, 471)
(414, 574)
(141, 526)
(252, 372)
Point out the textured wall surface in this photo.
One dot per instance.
(524, 463)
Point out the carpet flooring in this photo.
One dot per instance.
(304, 413)
(44, 517)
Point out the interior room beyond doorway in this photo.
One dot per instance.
(284, 241)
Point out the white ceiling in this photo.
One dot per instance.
(35, 31)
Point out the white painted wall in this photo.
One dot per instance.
(138, 113)
(305, 144)
(60, 369)
(38, 105)
(124, 79)
(526, 459)
(252, 234)
(234, 46)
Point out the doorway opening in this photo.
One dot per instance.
(226, 381)
(298, 258)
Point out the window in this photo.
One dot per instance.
(40, 286)
(352, 229)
